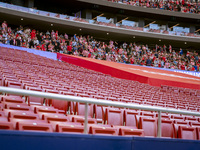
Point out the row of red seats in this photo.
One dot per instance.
(44, 118)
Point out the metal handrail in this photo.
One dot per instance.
(98, 102)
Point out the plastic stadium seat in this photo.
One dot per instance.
(191, 118)
(102, 130)
(12, 106)
(167, 128)
(176, 128)
(187, 133)
(69, 128)
(181, 122)
(130, 118)
(13, 84)
(81, 119)
(114, 117)
(62, 106)
(53, 117)
(33, 126)
(43, 109)
(99, 113)
(148, 114)
(55, 125)
(80, 109)
(23, 115)
(131, 132)
(35, 100)
(149, 125)
(5, 125)
(177, 117)
(13, 99)
(49, 101)
(194, 124)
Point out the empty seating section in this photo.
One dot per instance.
(19, 69)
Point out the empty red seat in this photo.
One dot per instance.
(12, 99)
(62, 106)
(194, 124)
(81, 119)
(167, 128)
(103, 130)
(49, 101)
(23, 115)
(131, 132)
(53, 117)
(33, 126)
(99, 113)
(177, 117)
(149, 125)
(43, 109)
(130, 118)
(69, 128)
(5, 125)
(14, 84)
(148, 114)
(55, 125)
(185, 132)
(176, 127)
(80, 109)
(114, 117)
(35, 100)
(23, 107)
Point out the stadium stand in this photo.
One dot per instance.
(78, 67)
(20, 114)
(184, 6)
(132, 53)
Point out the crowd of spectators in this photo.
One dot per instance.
(86, 46)
(186, 6)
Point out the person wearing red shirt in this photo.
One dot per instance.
(33, 34)
(69, 49)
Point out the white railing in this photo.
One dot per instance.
(98, 102)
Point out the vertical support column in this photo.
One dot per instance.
(29, 3)
(141, 23)
(192, 29)
(159, 132)
(86, 118)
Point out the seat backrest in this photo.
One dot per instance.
(80, 109)
(185, 132)
(60, 105)
(114, 116)
(149, 125)
(130, 118)
(167, 128)
(35, 100)
(176, 127)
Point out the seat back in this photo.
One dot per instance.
(130, 118)
(80, 109)
(167, 128)
(114, 116)
(149, 125)
(187, 133)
